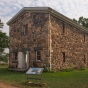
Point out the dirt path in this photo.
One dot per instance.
(3, 85)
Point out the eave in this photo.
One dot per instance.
(50, 11)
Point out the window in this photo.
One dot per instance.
(84, 59)
(15, 56)
(63, 56)
(63, 27)
(84, 37)
(38, 55)
(25, 29)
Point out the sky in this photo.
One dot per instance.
(70, 8)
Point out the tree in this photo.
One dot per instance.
(4, 43)
(4, 40)
(1, 24)
(82, 21)
(4, 57)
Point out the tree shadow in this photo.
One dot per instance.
(33, 84)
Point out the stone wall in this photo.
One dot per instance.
(69, 45)
(36, 37)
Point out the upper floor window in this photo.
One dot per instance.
(84, 37)
(38, 55)
(63, 28)
(25, 29)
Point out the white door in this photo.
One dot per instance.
(21, 60)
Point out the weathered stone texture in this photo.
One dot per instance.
(69, 45)
(70, 40)
(37, 35)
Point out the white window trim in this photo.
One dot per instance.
(36, 56)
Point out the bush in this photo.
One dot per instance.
(82, 68)
(67, 70)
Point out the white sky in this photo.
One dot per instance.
(69, 8)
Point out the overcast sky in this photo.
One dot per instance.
(69, 8)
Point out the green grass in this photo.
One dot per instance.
(73, 79)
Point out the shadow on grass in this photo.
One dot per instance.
(33, 84)
(4, 70)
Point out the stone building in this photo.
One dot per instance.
(42, 37)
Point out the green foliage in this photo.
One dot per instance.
(73, 69)
(73, 79)
(74, 20)
(4, 57)
(1, 24)
(48, 70)
(82, 68)
(52, 71)
(68, 70)
(4, 41)
(82, 21)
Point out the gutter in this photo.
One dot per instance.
(50, 11)
(50, 45)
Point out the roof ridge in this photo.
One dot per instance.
(50, 11)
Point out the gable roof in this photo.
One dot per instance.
(50, 11)
(30, 9)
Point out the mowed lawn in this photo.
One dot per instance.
(73, 79)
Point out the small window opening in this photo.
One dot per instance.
(63, 56)
(84, 37)
(38, 55)
(25, 29)
(84, 59)
(63, 27)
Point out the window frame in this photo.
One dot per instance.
(64, 58)
(84, 59)
(25, 32)
(84, 37)
(15, 56)
(38, 55)
(63, 28)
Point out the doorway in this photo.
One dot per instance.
(23, 60)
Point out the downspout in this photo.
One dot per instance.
(50, 42)
(9, 46)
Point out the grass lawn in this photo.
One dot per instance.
(73, 79)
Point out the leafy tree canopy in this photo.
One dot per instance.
(1, 24)
(82, 21)
(4, 57)
(4, 39)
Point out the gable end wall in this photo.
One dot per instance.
(36, 38)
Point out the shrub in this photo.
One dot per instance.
(67, 70)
